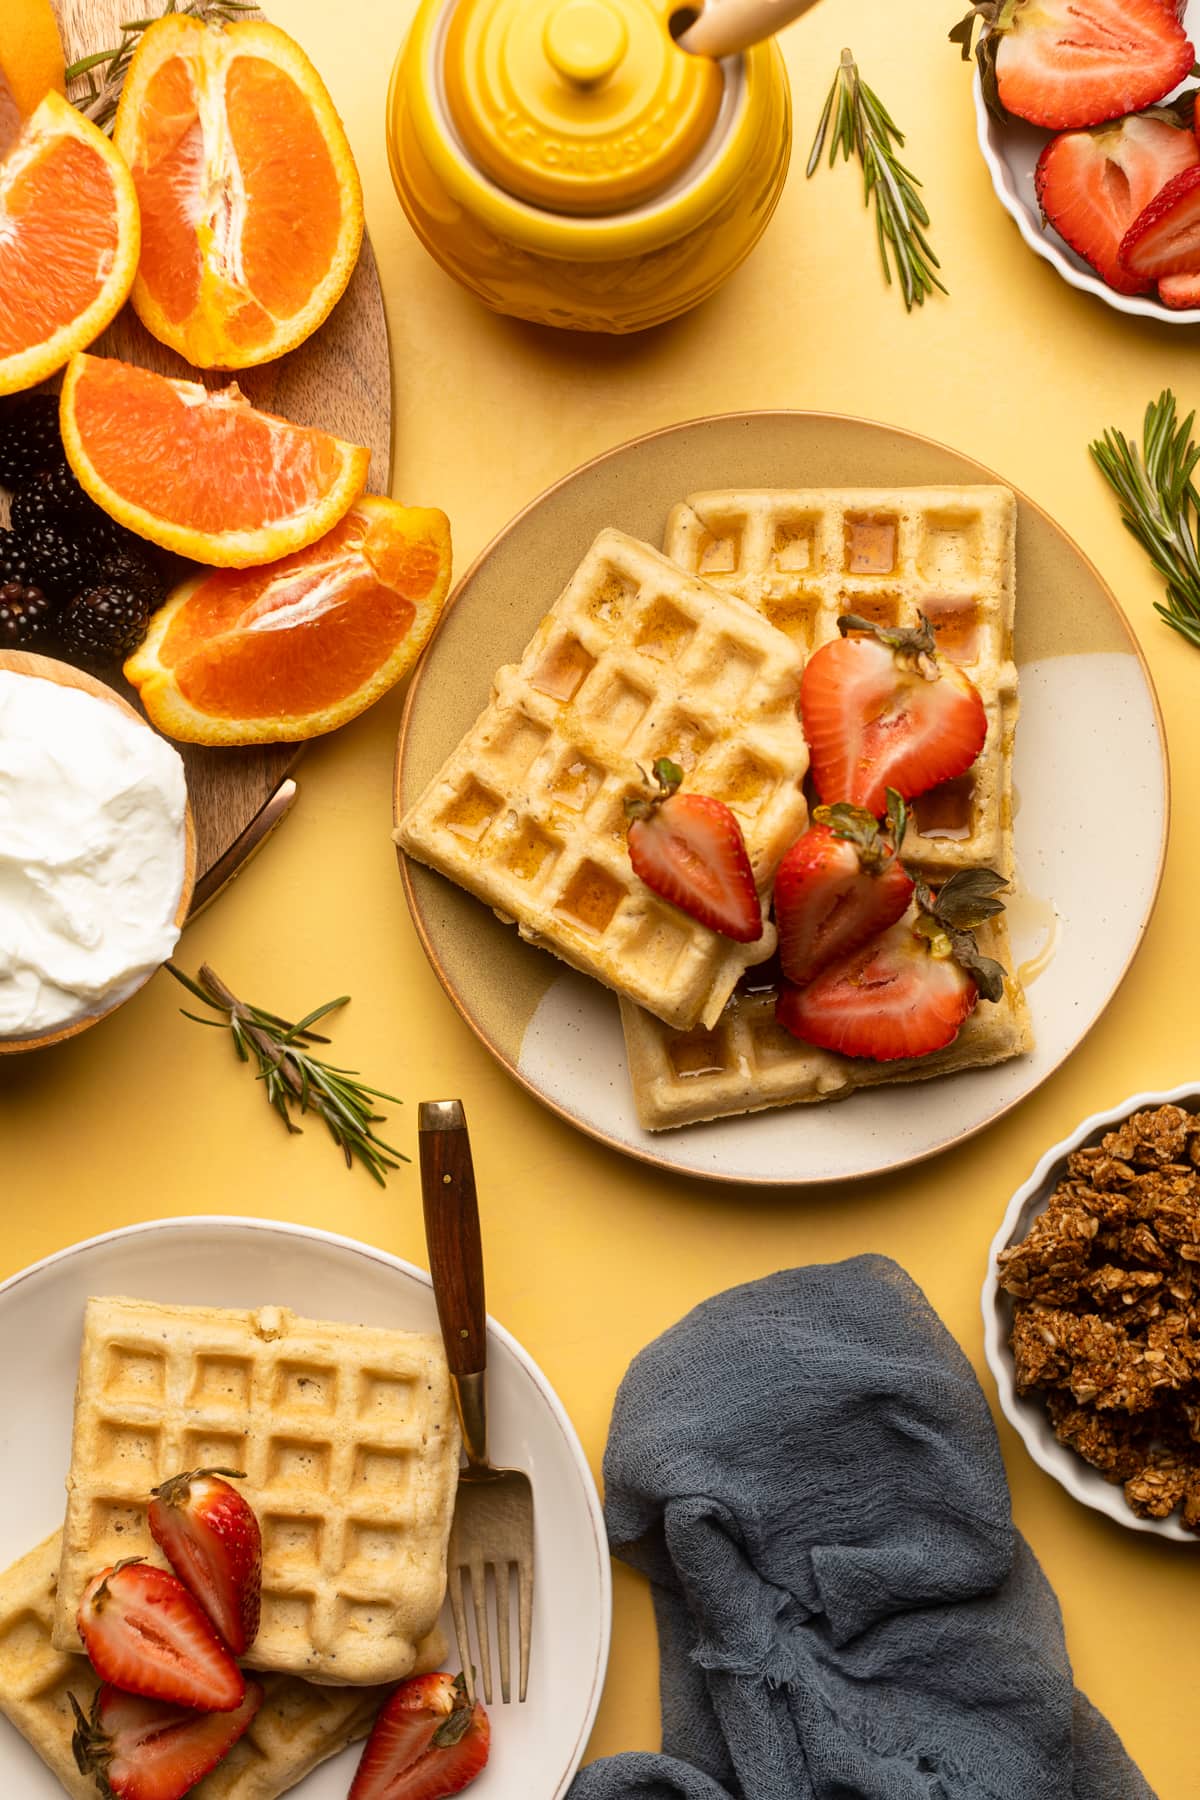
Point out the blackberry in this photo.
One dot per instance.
(16, 564)
(29, 436)
(51, 497)
(128, 566)
(24, 613)
(105, 623)
(56, 563)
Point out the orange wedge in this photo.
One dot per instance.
(251, 204)
(260, 656)
(204, 474)
(68, 241)
(31, 55)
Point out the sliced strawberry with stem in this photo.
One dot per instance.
(1091, 185)
(428, 1742)
(840, 884)
(141, 1749)
(907, 992)
(880, 709)
(1077, 62)
(689, 848)
(209, 1534)
(1164, 239)
(145, 1633)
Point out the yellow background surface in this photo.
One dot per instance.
(590, 1255)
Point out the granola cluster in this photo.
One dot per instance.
(1107, 1325)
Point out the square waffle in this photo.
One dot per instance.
(297, 1727)
(350, 1445)
(802, 557)
(634, 661)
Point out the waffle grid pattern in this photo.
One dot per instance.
(350, 1446)
(297, 1727)
(802, 557)
(634, 661)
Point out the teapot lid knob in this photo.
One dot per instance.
(586, 40)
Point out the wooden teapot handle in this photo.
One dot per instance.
(724, 27)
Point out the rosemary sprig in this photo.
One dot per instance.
(103, 72)
(862, 126)
(294, 1079)
(1160, 505)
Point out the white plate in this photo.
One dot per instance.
(1089, 748)
(1028, 1417)
(536, 1748)
(1011, 149)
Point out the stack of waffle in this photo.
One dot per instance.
(349, 1442)
(697, 655)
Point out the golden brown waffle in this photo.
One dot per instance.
(748, 1062)
(634, 661)
(802, 556)
(297, 1727)
(350, 1446)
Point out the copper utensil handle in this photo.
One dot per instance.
(452, 1234)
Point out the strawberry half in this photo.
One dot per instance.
(1091, 185)
(881, 709)
(839, 885)
(689, 848)
(211, 1538)
(145, 1633)
(907, 992)
(1164, 239)
(428, 1742)
(1077, 62)
(141, 1749)
(1179, 292)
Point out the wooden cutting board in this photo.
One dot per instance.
(339, 380)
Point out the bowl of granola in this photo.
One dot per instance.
(1091, 1312)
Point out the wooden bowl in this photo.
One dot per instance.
(46, 668)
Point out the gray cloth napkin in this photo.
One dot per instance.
(807, 1471)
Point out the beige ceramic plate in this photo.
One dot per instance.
(1090, 735)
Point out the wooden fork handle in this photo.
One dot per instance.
(452, 1234)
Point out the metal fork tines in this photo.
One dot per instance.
(491, 1548)
(492, 1539)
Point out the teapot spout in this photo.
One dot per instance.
(725, 27)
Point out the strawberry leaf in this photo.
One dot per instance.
(907, 640)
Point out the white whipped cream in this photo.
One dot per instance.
(92, 853)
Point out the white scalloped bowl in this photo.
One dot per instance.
(1027, 1417)
(1011, 150)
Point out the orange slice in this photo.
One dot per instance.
(289, 651)
(252, 210)
(68, 241)
(204, 474)
(31, 55)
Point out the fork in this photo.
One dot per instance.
(493, 1515)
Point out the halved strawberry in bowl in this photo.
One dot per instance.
(1164, 239)
(1092, 185)
(908, 992)
(1062, 63)
(881, 710)
(141, 1749)
(146, 1634)
(839, 885)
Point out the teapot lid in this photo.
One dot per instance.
(578, 106)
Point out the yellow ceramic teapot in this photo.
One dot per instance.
(600, 165)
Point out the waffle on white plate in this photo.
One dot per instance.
(297, 1727)
(348, 1438)
(802, 557)
(635, 660)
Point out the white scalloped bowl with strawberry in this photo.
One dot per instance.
(1102, 179)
